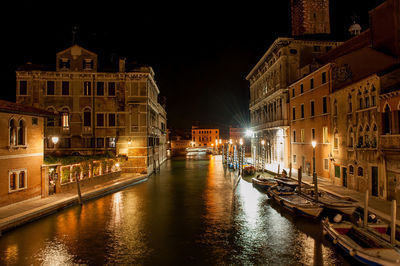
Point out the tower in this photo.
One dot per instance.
(310, 17)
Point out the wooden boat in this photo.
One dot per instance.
(361, 244)
(263, 182)
(333, 202)
(289, 199)
(285, 181)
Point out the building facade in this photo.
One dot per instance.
(21, 153)
(310, 120)
(286, 61)
(389, 145)
(310, 17)
(100, 111)
(205, 137)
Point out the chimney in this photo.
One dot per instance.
(121, 65)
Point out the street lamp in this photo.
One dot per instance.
(314, 143)
(263, 155)
(54, 140)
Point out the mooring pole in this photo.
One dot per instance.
(366, 209)
(393, 223)
(299, 177)
(78, 186)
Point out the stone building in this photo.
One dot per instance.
(310, 17)
(21, 152)
(101, 110)
(286, 61)
(205, 137)
(310, 120)
(389, 145)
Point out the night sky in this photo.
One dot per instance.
(201, 52)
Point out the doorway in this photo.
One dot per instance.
(374, 179)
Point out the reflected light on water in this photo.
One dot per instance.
(11, 254)
(56, 253)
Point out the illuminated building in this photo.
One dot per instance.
(112, 110)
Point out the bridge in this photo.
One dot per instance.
(198, 150)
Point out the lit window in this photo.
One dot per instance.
(17, 179)
(302, 135)
(325, 135)
(294, 158)
(87, 88)
(65, 120)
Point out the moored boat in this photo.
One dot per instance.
(295, 202)
(333, 202)
(263, 182)
(361, 244)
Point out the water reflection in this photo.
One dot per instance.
(190, 213)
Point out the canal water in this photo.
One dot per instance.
(188, 214)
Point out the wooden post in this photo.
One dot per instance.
(315, 186)
(366, 209)
(279, 168)
(299, 177)
(393, 223)
(78, 186)
(290, 170)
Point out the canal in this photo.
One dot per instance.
(188, 214)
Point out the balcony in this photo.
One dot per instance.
(390, 142)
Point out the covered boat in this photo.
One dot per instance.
(361, 244)
(333, 202)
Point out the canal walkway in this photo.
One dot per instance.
(380, 207)
(19, 213)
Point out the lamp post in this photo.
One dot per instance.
(241, 157)
(54, 139)
(263, 155)
(314, 144)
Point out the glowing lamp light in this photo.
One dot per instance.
(262, 142)
(230, 141)
(129, 142)
(220, 141)
(241, 141)
(117, 164)
(54, 139)
(314, 143)
(249, 133)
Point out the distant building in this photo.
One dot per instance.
(21, 153)
(205, 137)
(236, 133)
(112, 110)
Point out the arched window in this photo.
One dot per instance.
(366, 136)
(350, 136)
(373, 96)
(351, 169)
(360, 100)
(360, 141)
(65, 118)
(387, 120)
(374, 136)
(350, 104)
(360, 171)
(335, 140)
(21, 132)
(12, 129)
